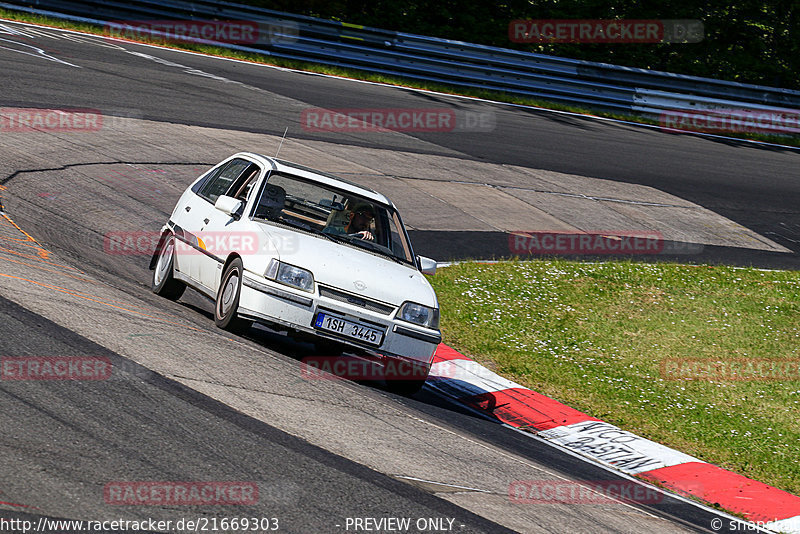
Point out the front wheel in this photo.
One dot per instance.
(227, 303)
(328, 347)
(404, 377)
(164, 283)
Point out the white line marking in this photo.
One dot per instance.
(40, 53)
(9, 30)
(441, 484)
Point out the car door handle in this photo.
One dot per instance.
(205, 221)
(188, 208)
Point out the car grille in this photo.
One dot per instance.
(355, 300)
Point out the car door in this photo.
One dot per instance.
(199, 210)
(187, 216)
(224, 234)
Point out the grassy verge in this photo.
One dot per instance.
(368, 76)
(594, 337)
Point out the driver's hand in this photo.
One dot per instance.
(366, 234)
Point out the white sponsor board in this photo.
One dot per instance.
(616, 447)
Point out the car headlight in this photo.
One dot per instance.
(414, 313)
(289, 275)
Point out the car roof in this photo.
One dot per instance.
(317, 176)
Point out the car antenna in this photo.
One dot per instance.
(282, 138)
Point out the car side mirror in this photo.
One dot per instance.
(229, 206)
(426, 265)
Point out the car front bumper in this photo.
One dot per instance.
(267, 301)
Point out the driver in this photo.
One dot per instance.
(360, 219)
(356, 223)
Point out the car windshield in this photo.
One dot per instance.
(338, 215)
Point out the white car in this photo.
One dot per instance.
(306, 252)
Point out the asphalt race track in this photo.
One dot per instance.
(188, 402)
(162, 431)
(756, 187)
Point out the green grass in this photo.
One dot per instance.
(368, 76)
(593, 336)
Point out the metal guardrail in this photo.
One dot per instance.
(575, 82)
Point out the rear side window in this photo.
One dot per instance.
(220, 180)
(203, 179)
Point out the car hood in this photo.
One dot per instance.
(351, 269)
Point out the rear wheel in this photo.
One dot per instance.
(227, 302)
(164, 283)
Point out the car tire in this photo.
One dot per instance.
(226, 305)
(164, 283)
(327, 347)
(401, 383)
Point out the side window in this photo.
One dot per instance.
(199, 183)
(242, 186)
(221, 180)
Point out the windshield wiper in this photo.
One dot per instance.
(395, 259)
(373, 247)
(333, 237)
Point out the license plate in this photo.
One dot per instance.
(346, 328)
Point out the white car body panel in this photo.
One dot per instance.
(341, 266)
